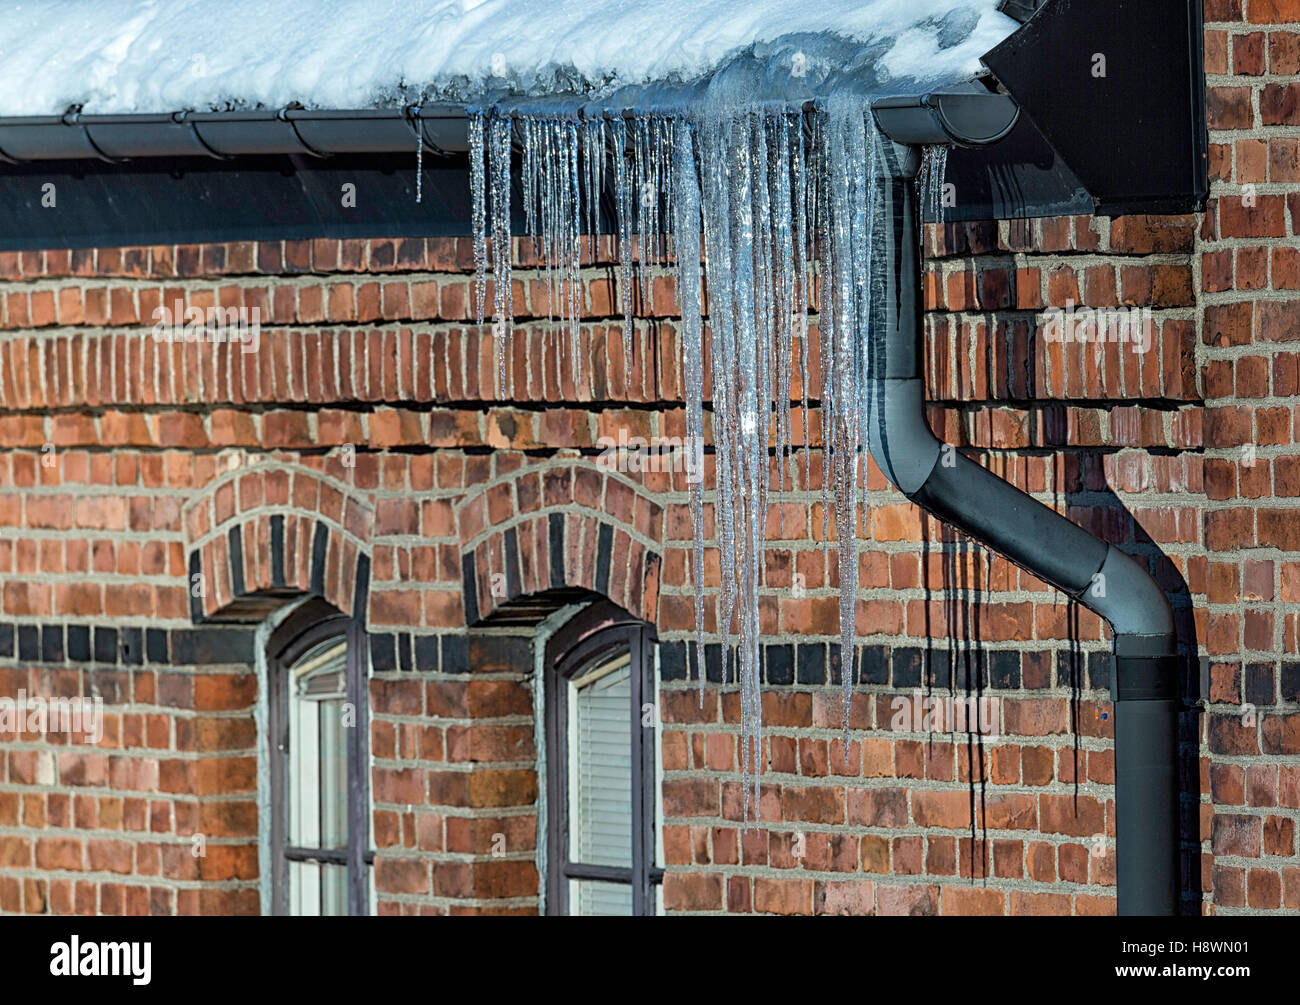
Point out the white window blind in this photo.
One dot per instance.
(317, 782)
(600, 782)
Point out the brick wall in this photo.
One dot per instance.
(364, 453)
(1249, 296)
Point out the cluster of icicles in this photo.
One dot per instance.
(782, 204)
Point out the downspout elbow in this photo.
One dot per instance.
(1130, 600)
(1035, 537)
(901, 442)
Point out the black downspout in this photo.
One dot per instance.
(1144, 684)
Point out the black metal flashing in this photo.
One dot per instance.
(1117, 88)
(197, 200)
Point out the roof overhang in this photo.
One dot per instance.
(1130, 139)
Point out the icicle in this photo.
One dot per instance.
(478, 211)
(645, 196)
(686, 231)
(801, 238)
(593, 155)
(764, 309)
(714, 142)
(930, 179)
(779, 175)
(530, 170)
(548, 217)
(748, 434)
(827, 312)
(499, 148)
(419, 154)
(623, 196)
(573, 251)
(664, 132)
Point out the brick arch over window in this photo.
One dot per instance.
(539, 535)
(263, 534)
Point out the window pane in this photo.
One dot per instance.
(333, 775)
(318, 889)
(317, 782)
(600, 764)
(594, 897)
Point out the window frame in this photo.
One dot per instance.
(308, 627)
(599, 631)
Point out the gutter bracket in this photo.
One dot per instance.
(283, 116)
(73, 119)
(182, 118)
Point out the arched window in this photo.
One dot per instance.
(601, 739)
(320, 827)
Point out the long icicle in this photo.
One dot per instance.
(499, 148)
(686, 234)
(478, 210)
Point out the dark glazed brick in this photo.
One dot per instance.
(712, 663)
(1259, 684)
(1290, 681)
(155, 642)
(470, 583)
(604, 546)
(29, 643)
(404, 651)
(205, 646)
(970, 672)
(78, 643)
(383, 656)
(906, 666)
(455, 654)
(938, 668)
(132, 646)
(1004, 669)
(811, 665)
(426, 653)
(1099, 665)
(555, 537)
(513, 588)
(237, 561)
(361, 592)
(196, 577)
(52, 643)
(496, 653)
(834, 655)
(277, 550)
(780, 664)
(873, 665)
(672, 660)
(6, 641)
(319, 545)
(105, 645)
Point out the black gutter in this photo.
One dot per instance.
(443, 129)
(1038, 539)
(222, 135)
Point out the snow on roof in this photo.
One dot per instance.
(120, 56)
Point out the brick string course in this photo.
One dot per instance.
(366, 454)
